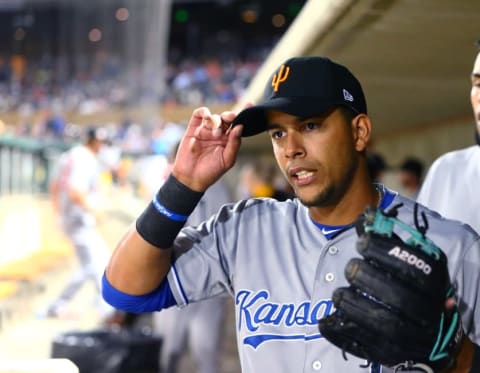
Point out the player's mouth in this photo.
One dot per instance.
(301, 176)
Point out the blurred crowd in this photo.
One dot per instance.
(51, 87)
(91, 84)
(41, 92)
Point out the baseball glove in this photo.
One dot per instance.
(394, 311)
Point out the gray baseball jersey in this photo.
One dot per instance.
(451, 186)
(282, 270)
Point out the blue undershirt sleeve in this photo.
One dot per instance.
(160, 298)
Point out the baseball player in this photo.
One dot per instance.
(293, 267)
(442, 189)
(75, 194)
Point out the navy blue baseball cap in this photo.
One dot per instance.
(304, 87)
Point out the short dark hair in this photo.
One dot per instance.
(376, 164)
(347, 113)
(413, 166)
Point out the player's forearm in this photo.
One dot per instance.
(142, 258)
(137, 267)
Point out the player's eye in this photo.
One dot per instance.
(276, 134)
(310, 125)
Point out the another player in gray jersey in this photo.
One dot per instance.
(280, 261)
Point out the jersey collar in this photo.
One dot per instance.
(331, 231)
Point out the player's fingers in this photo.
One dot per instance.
(203, 124)
(232, 145)
(201, 112)
(236, 132)
(227, 118)
(233, 122)
(213, 123)
(450, 303)
(197, 117)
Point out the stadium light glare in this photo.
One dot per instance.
(249, 16)
(278, 20)
(122, 14)
(95, 35)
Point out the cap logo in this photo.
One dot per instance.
(280, 77)
(347, 96)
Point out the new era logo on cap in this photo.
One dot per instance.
(347, 96)
(304, 87)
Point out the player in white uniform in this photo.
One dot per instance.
(281, 261)
(75, 193)
(451, 185)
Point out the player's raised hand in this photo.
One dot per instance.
(208, 149)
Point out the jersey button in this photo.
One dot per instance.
(317, 365)
(332, 250)
(329, 277)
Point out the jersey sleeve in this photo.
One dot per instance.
(156, 300)
(197, 272)
(204, 257)
(467, 280)
(214, 198)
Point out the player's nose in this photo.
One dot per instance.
(293, 145)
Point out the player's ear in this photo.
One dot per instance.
(361, 128)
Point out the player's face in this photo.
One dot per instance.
(318, 156)
(475, 92)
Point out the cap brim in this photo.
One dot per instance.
(254, 119)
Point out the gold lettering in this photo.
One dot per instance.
(281, 77)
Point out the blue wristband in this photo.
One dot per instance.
(163, 218)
